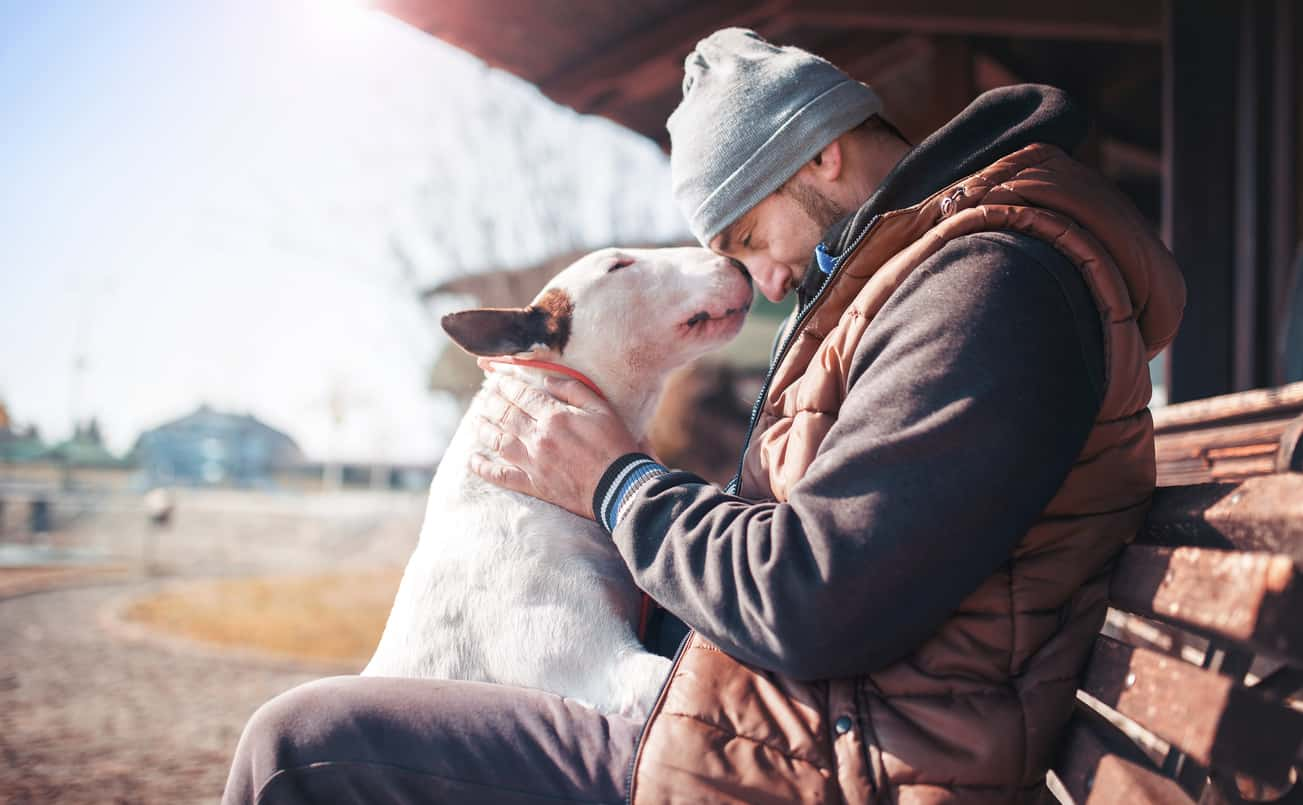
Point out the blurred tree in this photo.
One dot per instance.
(514, 180)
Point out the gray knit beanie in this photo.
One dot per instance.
(752, 114)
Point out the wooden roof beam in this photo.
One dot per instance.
(882, 65)
(1118, 157)
(1100, 20)
(640, 66)
(990, 73)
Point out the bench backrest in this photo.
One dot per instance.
(1230, 438)
(1191, 692)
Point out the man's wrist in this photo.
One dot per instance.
(622, 479)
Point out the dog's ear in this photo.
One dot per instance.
(511, 331)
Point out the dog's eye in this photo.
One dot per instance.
(621, 262)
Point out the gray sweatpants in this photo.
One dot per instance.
(371, 739)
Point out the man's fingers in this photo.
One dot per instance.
(499, 443)
(530, 399)
(572, 392)
(508, 416)
(556, 391)
(503, 475)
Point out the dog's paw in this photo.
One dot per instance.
(641, 677)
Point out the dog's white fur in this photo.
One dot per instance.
(505, 588)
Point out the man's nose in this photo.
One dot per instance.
(771, 278)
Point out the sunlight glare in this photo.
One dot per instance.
(338, 14)
(344, 7)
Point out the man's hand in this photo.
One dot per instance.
(553, 445)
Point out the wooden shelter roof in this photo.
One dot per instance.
(927, 58)
(1195, 103)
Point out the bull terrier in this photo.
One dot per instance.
(506, 588)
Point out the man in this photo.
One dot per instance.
(893, 601)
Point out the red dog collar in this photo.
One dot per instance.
(553, 367)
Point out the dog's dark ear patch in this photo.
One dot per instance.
(510, 331)
(559, 311)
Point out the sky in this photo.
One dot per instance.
(201, 202)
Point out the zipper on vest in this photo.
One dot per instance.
(656, 706)
(735, 486)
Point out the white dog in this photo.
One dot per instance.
(505, 588)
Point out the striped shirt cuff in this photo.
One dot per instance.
(626, 475)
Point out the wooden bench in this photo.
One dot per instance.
(1192, 692)
(1230, 438)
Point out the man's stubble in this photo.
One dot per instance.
(823, 211)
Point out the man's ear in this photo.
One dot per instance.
(511, 331)
(827, 164)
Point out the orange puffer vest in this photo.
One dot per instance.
(971, 715)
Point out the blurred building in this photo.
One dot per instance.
(85, 449)
(211, 448)
(36, 479)
(25, 455)
(18, 444)
(334, 476)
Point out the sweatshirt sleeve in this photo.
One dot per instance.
(971, 394)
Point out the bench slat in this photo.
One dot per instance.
(1225, 453)
(1100, 771)
(1204, 714)
(1249, 598)
(1273, 403)
(1290, 456)
(1218, 560)
(1260, 514)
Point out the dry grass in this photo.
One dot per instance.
(335, 617)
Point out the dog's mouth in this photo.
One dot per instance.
(703, 320)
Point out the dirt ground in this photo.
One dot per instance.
(89, 717)
(16, 581)
(93, 710)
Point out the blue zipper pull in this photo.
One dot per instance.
(827, 263)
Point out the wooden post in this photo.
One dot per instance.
(1251, 318)
(1198, 206)
(1285, 191)
(1229, 128)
